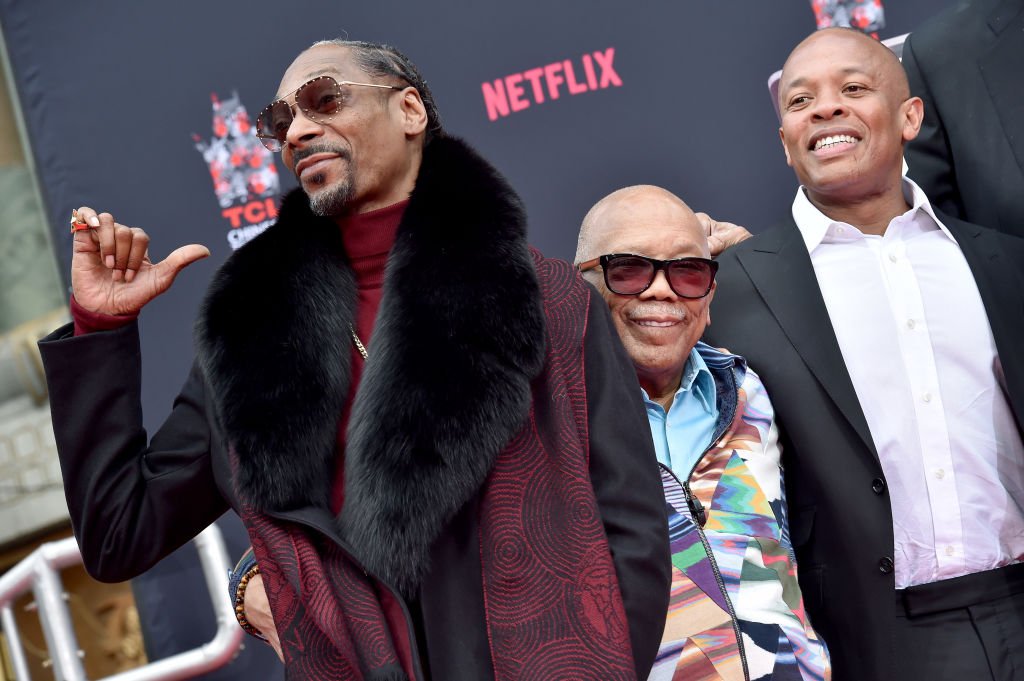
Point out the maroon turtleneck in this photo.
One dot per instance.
(368, 238)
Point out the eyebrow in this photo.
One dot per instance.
(800, 82)
(326, 71)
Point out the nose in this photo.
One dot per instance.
(302, 129)
(659, 288)
(827, 107)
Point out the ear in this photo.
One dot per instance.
(707, 309)
(785, 149)
(595, 280)
(913, 115)
(414, 113)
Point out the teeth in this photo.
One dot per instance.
(652, 323)
(833, 139)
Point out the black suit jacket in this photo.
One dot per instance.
(768, 308)
(966, 64)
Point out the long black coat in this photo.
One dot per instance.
(769, 309)
(460, 358)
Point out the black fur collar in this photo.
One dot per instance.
(458, 339)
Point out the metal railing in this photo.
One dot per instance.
(39, 572)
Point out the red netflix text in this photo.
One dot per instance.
(515, 92)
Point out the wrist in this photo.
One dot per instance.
(238, 579)
(89, 321)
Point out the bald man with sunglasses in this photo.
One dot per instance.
(737, 611)
(429, 429)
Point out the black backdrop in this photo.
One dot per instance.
(113, 92)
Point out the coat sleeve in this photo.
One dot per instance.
(131, 501)
(929, 156)
(624, 470)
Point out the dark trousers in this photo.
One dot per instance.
(968, 628)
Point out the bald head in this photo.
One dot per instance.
(645, 210)
(841, 40)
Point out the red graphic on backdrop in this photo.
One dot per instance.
(244, 176)
(867, 15)
(518, 91)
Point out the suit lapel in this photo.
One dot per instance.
(1002, 77)
(1001, 295)
(780, 268)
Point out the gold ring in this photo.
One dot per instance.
(77, 225)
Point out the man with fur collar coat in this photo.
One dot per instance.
(442, 463)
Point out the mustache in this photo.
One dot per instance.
(320, 148)
(654, 309)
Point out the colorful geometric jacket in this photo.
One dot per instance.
(736, 611)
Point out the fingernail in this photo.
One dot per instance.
(109, 260)
(129, 275)
(94, 221)
(118, 275)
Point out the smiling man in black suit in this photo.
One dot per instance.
(889, 337)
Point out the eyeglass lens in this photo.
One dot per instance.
(629, 275)
(319, 99)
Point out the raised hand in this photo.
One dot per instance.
(110, 269)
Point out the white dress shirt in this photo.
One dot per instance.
(917, 343)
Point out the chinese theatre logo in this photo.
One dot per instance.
(242, 170)
(866, 15)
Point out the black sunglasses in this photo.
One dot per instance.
(319, 99)
(629, 275)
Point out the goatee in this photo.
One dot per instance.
(330, 201)
(327, 201)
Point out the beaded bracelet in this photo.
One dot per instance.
(238, 580)
(240, 603)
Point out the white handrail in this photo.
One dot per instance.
(18, 662)
(39, 572)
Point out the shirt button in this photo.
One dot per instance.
(892, 257)
(940, 473)
(926, 397)
(878, 485)
(911, 324)
(950, 550)
(885, 565)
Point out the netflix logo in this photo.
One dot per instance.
(519, 91)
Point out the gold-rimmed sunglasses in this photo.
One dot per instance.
(319, 99)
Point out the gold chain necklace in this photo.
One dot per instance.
(359, 344)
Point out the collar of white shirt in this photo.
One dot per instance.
(816, 227)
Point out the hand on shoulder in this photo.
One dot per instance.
(722, 235)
